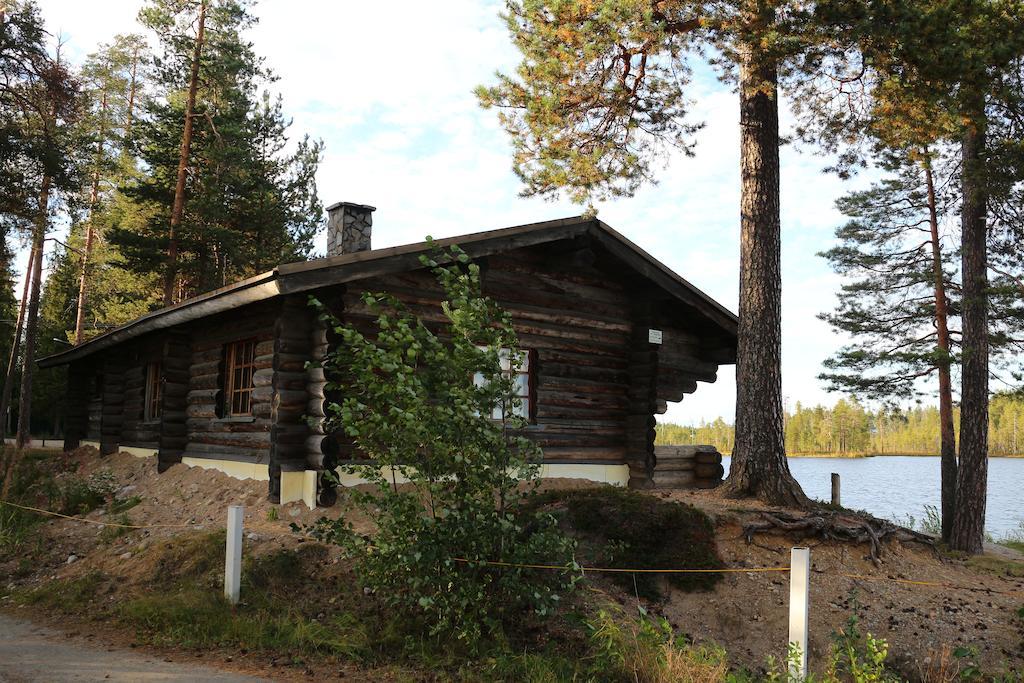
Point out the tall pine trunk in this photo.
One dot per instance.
(131, 96)
(90, 232)
(759, 466)
(12, 361)
(178, 207)
(947, 447)
(968, 531)
(32, 320)
(9, 455)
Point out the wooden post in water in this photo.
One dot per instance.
(835, 489)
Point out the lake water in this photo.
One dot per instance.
(895, 486)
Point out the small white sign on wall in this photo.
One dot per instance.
(654, 336)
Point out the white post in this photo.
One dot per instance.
(799, 607)
(233, 560)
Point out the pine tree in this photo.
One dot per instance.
(111, 85)
(894, 304)
(600, 96)
(38, 105)
(252, 199)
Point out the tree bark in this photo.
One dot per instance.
(968, 531)
(12, 362)
(94, 195)
(947, 447)
(11, 456)
(178, 207)
(131, 96)
(759, 466)
(32, 320)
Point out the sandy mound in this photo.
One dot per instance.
(746, 612)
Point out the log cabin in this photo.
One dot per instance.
(221, 380)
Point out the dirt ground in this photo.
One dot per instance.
(746, 613)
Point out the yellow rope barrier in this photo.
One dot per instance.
(558, 567)
(583, 569)
(95, 521)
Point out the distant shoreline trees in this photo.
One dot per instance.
(849, 428)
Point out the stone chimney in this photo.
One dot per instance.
(348, 228)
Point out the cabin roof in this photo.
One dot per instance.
(303, 276)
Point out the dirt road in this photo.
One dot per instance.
(31, 653)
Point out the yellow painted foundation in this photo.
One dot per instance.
(616, 475)
(301, 485)
(137, 452)
(238, 470)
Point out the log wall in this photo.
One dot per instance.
(175, 361)
(289, 396)
(688, 467)
(244, 438)
(76, 426)
(112, 404)
(597, 379)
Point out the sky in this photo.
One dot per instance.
(389, 87)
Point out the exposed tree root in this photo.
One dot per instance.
(831, 525)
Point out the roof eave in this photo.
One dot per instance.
(251, 290)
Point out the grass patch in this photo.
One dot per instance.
(1017, 544)
(79, 595)
(997, 565)
(618, 527)
(123, 504)
(109, 534)
(17, 528)
(201, 619)
(197, 557)
(189, 610)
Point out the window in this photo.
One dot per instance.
(240, 363)
(523, 386)
(154, 391)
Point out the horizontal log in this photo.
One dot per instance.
(709, 471)
(298, 347)
(263, 378)
(667, 465)
(546, 413)
(714, 458)
(687, 451)
(200, 396)
(596, 454)
(218, 452)
(673, 478)
(205, 369)
(550, 398)
(247, 440)
(227, 425)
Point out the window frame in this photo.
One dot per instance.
(152, 407)
(230, 383)
(528, 400)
